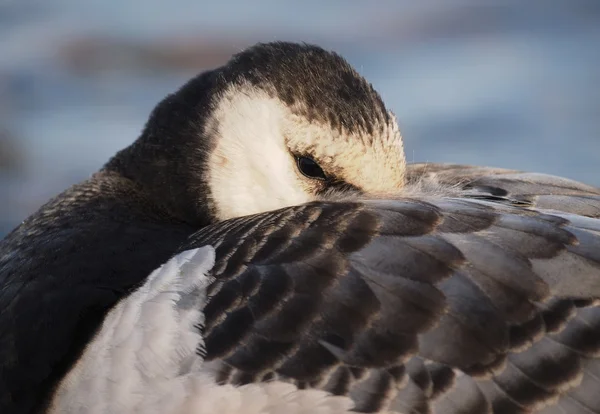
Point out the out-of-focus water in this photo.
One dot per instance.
(492, 82)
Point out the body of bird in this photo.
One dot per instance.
(307, 266)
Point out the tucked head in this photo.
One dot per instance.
(280, 124)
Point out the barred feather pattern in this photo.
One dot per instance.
(476, 292)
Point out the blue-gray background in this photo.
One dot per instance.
(507, 83)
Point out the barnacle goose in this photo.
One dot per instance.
(263, 247)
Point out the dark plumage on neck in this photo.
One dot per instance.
(168, 161)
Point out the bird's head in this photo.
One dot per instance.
(280, 124)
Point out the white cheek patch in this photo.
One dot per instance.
(374, 163)
(251, 170)
(145, 358)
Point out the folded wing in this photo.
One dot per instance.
(477, 297)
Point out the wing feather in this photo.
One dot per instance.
(476, 292)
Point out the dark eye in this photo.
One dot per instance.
(310, 168)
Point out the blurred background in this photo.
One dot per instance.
(507, 83)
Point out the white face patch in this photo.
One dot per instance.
(252, 170)
(375, 164)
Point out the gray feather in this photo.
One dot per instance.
(480, 298)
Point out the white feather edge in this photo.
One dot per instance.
(144, 358)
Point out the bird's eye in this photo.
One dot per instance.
(310, 168)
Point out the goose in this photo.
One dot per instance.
(264, 247)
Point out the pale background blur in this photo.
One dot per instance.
(508, 83)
